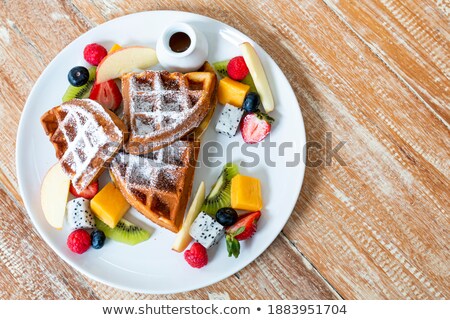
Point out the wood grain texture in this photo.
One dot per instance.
(410, 40)
(261, 281)
(374, 73)
(386, 210)
(31, 270)
(280, 273)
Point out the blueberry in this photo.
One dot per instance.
(226, 216)
(78, 76)
(251, 102)
(97, 239)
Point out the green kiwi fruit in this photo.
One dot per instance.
(221, 68)
(220, 195)
(124, 232)
(83, 91)
(248, 80)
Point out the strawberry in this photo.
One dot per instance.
(107, 94)
(249, 221)
(243, 229)
(87, 193)
(196, 256)
(255, 127)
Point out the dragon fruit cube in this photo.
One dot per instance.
(79, 215)
(206, 230)
(229, 120)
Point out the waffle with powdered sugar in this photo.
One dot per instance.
(85, 136)
(162, 107)
(158, 184)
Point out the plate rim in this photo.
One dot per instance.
(46, 238)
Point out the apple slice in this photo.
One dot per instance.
(259, 76)
(54, 193)
(183, 237)
(125, 60)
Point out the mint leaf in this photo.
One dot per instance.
(233, 246)
(236, 248)
(229, 242)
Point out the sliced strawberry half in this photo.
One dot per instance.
(87, 193)
(249, 222)
(107, 94)
(243, 229)
(255, 127)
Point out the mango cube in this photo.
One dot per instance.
(232, 92)
(109, 205)
(246, 193)
(114, 48)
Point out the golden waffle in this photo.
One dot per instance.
(162, 107)
(85, 136)
(198, 132)
(159, 184)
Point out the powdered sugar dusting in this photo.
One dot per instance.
(159, 169)
(157, 184)
(86, 140)
(159, 102)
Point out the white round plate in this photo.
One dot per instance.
(151, 266)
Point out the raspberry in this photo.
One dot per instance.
(94, 53)
(237, 68)
(79, 241)
(197, 256)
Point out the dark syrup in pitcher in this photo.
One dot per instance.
(179, 42)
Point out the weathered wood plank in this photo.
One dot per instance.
(33, 271)
(310, 286)
(376, 228)
(385, 211)
(29, 268)
(412, 38)
(279, 273)
(27, 44)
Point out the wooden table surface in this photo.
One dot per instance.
(373, 73)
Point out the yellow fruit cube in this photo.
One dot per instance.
(232, 92)
(109, 205)
(246, 193)
(114, 48)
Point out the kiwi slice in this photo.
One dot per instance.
(220, 195)
(83, 91)
(124, 231)
(221, 68)
(248, 80)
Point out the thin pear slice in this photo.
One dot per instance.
(259, 76)
(183, 237)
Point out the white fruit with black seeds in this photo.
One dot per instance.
(229, 120)
(206, 230)
(79, 215)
